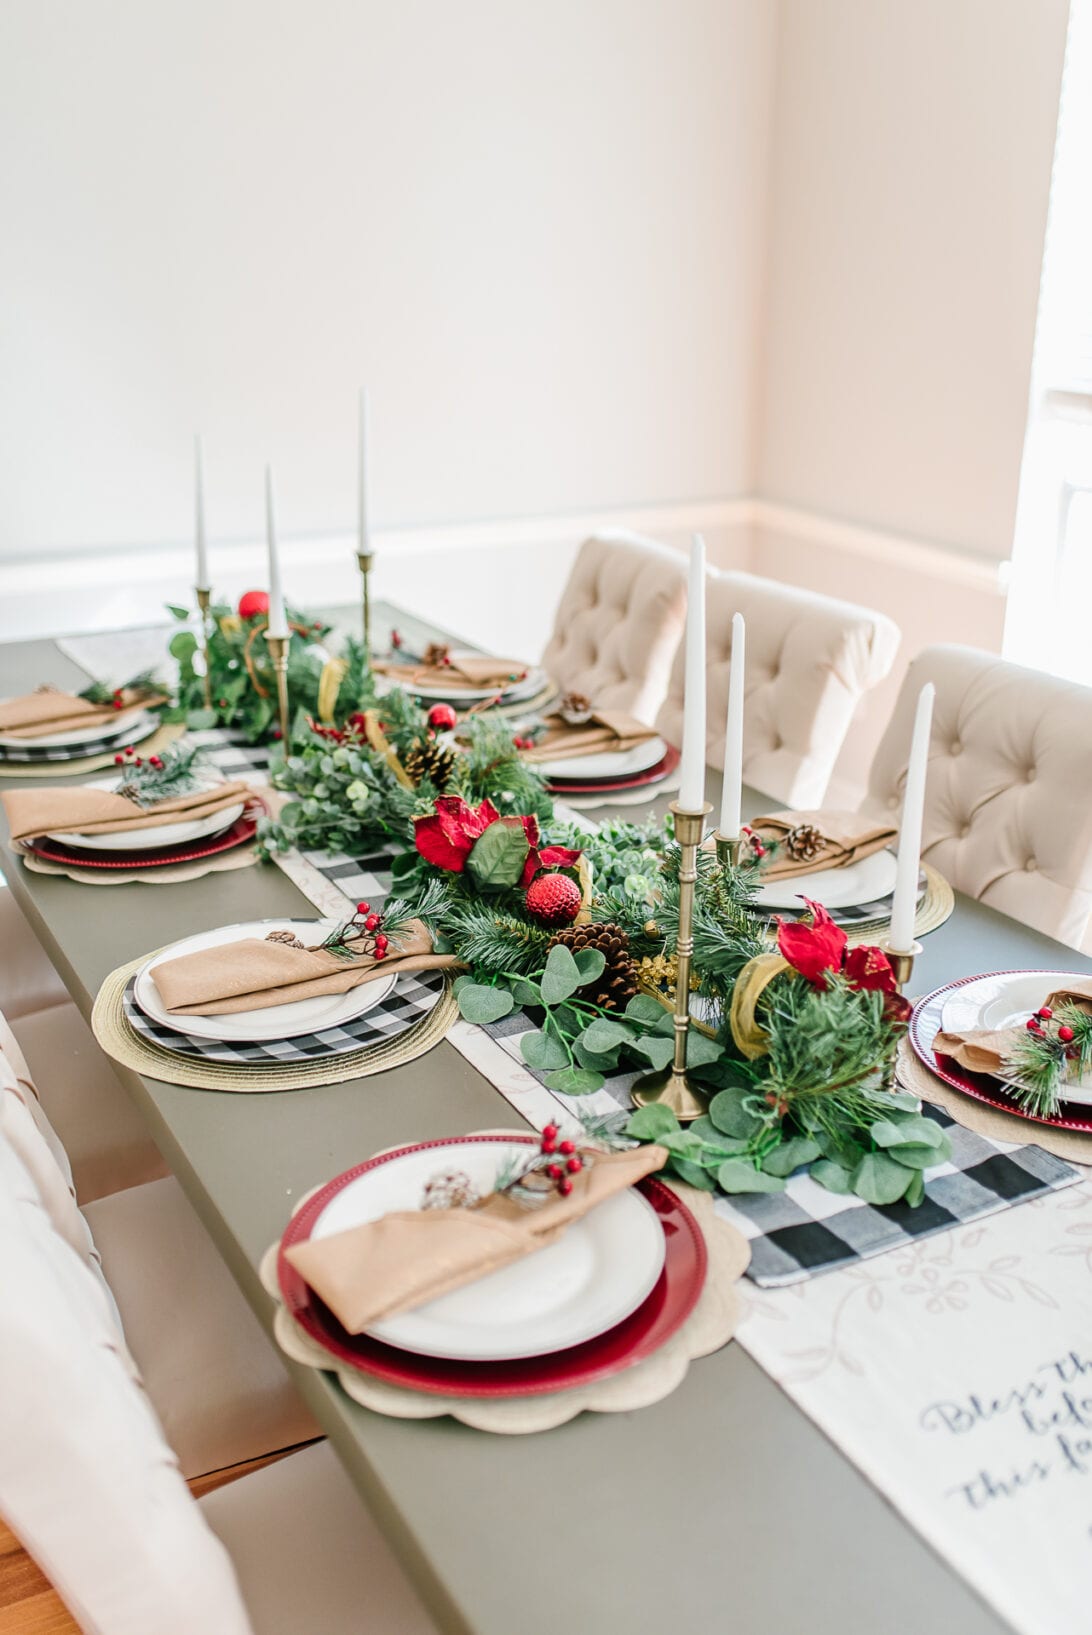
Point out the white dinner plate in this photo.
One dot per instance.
(512, 692)
(161, 834)
(625, 763)
(266, 1021)
(133, 724)
(592, 1277)
(1006, 1000)
(864, 882)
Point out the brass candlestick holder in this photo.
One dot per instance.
(278, 652)
(204, 597)
(902, 961)
(671, 1087)
(364, 561)
(727, 850)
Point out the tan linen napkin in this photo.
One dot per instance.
(984, 1050)
(37, 715)
(846, 838)
(460, 674)
(411, 1256)
(607, 730)
(85, 811)
(250, 974)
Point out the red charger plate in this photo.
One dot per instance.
(924, 1026)
(243, 829)
(637, 1336)
(652, 775)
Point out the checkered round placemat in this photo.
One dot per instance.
(94, 757)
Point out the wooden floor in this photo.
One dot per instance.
(28, 1604)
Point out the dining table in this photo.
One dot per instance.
(720, 1507)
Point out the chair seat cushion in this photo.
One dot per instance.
(218, 1384)
(106, 1138)
(308, 1555)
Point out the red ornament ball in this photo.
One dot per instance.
(253, 602)
(553, 899)
(442, 717)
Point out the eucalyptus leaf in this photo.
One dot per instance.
(199, 720)
(736, 1175)
(605, 1033)
(182, 645)
(683, 1144)
(879, 1179)
(730, 1116)
(790, 1154)
(477, 1003)
(561, 977)
(832, 1176)
(691, 1173)
(643, 1008)
(574, 1081)
(915, 1192)
(724, 1145)
(525, 993)
(654, 1049)
(701, 1050)
(178, 612)
(591, 963)
(652, 1122)
(894, 1132)
(543, 1051)
(599, 1061)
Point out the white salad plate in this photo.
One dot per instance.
(161, 834)
(625, 763)
(133, 724)
(266, 1021)
(1005, 1000)
(864, 882)
(580, 1286)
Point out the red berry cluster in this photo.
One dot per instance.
(1035, 1026)
(129, 757)
(396, 640)
(368, 923)
(523, 743)
(755, 844)
(117, 699)
(560, 1173)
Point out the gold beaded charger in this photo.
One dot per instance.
(709, 1327)
(120, 1041)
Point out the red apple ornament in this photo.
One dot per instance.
(252, 603)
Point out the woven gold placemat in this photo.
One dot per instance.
(159, 740)
(117, 1038)
(935, 907)
(241, 857)
(710, 1325)
(991, 1122)
(526, 706)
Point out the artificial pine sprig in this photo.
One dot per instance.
(1057, 1049)
(147, 781)
(141, 685)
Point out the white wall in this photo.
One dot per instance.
(912, 148)
(533, 229)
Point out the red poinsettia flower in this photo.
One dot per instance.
(869, 968)
(812, 949)
(446, 837)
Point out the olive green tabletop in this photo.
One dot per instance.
(719, 1508)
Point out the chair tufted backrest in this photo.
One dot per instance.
(618, 623)
(1008, 801)
(87, 1482)
(809, 661)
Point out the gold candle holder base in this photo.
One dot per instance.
(902, 962)
(204, 598)
(727, 850)
(364, 560)
(671, 1087)
(278, 652)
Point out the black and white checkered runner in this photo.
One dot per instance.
(794, 1234)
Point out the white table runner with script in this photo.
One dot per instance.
(957, 1374)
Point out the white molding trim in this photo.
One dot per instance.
(919, 556)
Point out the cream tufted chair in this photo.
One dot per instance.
(618, 623)
(809, 660)
(1008, 803)
(92, 1490)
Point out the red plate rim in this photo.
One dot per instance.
(243, 829)
(640, 1334)
(651, 774)
(981, 1086)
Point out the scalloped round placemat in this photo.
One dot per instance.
(710, 1325)
(991, 1122)
(159, 740)
(112, 1030)
(167, 874)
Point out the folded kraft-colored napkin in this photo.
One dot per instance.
(49, 711)
(409, 1257)
(605, 730)
(457, 675)
(985, 1050)
(809, 841)
(85, 811)
(252, 973)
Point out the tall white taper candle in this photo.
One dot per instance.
(278, 624)
(692, 776)
(363, 538)
(202, 582)
(731, 788)
(905, 906)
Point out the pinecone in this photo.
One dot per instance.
(289, 938)
(436, 654)
(428, 762)
(804, 842)
(450, 1189)
(618, 983)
